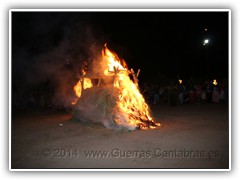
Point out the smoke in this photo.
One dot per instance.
(49, 51)
(61, 66)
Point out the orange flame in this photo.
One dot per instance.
(113, 62)
(87, 83)
(78, 89)
(131, 109)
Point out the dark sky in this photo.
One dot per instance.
(159, 43)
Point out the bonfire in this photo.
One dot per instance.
(109, 93)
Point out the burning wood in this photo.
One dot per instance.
(115, 99)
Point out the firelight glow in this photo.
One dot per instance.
(215, 82)
(180, 81)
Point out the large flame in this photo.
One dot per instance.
(131, 110)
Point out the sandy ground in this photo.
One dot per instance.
(191, 136)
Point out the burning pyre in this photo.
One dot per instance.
(107, 94)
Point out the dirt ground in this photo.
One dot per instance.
(190, 136)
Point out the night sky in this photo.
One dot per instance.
(161, 44)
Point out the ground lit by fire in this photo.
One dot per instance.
(197, 128)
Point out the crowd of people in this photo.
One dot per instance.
(174, 93)
(186, 92)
